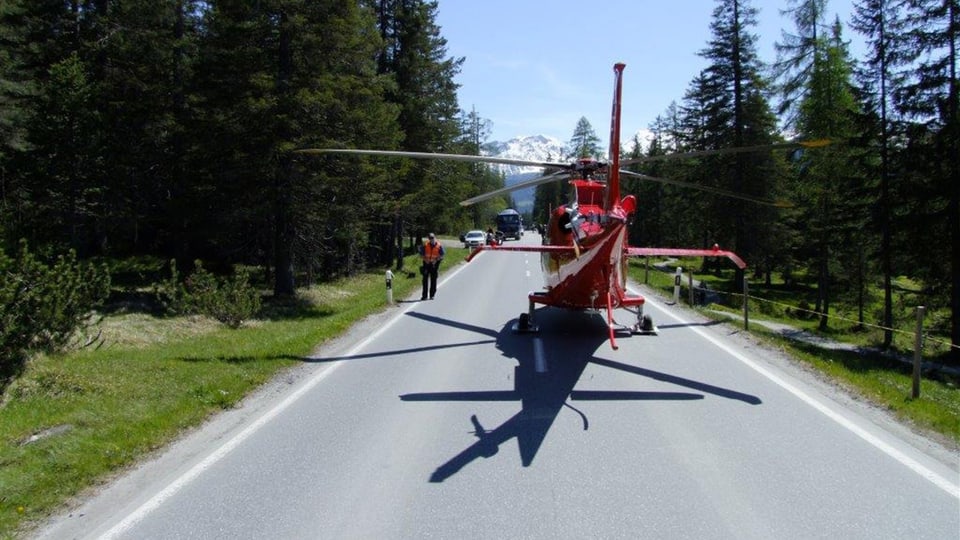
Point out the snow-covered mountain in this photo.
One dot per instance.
(536, 148)
(526, 147)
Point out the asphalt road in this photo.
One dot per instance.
(432, 421)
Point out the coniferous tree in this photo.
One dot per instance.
(482, 178)
(415, 56)
(931, 100)
(880, 22)
(730, 98)
(795, 54)
(308, 79)
(584, 142)
(144, 69)
(14, 81)
(16, 85)
(696, 224)
(828, 183)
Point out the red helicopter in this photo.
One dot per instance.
(585, 248)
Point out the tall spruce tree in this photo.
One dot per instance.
(60, 199)
(415, 56)
(144, 68)
(14, 81)
(828, 182)
(795, 54)
(482, 178)
(880, 22)
(279, 76)
(732, 94)
(16, 84)
(931, 100)
(584, 142)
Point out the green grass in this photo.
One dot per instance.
(881, 380)
(154, 377)
(100, 411)
(885, 383)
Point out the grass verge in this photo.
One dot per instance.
(882, 381)
(73, 420)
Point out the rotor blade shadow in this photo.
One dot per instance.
(493, 395)
(688, 325)
(396, 352)
(454, 324)
(612, 395)
(679, 381)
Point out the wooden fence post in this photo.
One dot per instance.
(746, 307)
(918, 352)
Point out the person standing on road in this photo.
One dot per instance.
(432, 254)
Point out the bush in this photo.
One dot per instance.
(43, 306)
(230, 300)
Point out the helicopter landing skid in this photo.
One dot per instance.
(644, 330)
(524, 325)
(644, 325)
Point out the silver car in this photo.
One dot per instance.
(474, 239)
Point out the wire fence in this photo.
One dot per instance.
(702, 292)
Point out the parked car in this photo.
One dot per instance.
(474, 239)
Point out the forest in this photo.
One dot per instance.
(168, 128)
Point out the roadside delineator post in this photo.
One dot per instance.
(389, 279)
(676, 285)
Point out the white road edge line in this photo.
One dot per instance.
(912, 464)
(137, 515)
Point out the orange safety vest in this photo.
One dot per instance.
(431, 253)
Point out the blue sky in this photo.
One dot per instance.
(536, 67)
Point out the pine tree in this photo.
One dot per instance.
(879, 21)
(415, 56)
(828, 184)
(931, 100)
(584, 143)
(730, 98)
(306, 78)
(481, 178)
(15, 84)
(795, 54)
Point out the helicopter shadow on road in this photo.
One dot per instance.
(568, 341)
(688, 325)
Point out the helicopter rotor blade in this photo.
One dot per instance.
(552, 177)
(723, 151)
(430, 155)
(709, 189)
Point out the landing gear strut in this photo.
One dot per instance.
(644, 324)
(525, 324)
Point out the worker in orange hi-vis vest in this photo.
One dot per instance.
(432, 253)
